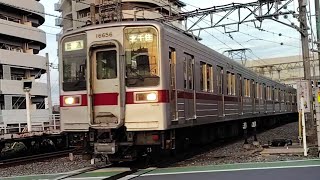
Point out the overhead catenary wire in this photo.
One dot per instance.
(258, 38)
(268, 31)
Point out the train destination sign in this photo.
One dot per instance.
(73, 45)
(144, 37)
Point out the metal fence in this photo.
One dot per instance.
(50, 125)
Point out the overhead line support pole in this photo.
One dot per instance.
(310, 125)
(317, 11)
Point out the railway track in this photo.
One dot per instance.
(165, 161)
(27, 159)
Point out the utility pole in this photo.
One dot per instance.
(316, 4)
(310, 125)
(49, 85)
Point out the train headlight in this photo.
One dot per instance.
(152, 96)
(71, 100)
(146, 97)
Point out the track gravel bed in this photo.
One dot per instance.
(50, 166)
(228, 154)
(234, 153)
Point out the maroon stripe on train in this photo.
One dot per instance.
(185, 95)
(105, 99)
(230, 98)
(205, 96)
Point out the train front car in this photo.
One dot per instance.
(112, 96)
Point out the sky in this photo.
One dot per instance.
(264, 44)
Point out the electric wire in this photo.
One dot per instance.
(268, 31)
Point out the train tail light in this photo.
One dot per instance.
(72, 100)
(146, 96)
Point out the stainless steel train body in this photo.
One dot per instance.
(134, 84)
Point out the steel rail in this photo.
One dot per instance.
(19, 160)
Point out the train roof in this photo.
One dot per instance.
(182, 33)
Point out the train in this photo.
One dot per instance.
(131, 88)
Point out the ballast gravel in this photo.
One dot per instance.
(235, 153)
(50, 166)
(228, 154)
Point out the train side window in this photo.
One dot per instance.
(203, 76)
(253, 89)
(190, 70)
(209, 78)
(247, 88)
(276, 94)
(228, 83)
(231, 84)
(220, 79)
(258, 90)
(240, 85)
(185, 73)
(172, 59)
(264, 91)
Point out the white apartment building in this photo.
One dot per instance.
(76, 13)
(20, 42)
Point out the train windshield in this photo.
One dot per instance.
(141, 54)
(74, 63)
(74, 73)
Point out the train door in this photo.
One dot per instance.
(190, 98)
(173, 86)
(107, 86)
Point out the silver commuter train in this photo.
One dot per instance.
(133, 87)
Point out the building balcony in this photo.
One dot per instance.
(22, 59)
(17, 116)
(32, 7)
(23, 31)
(15, 87)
